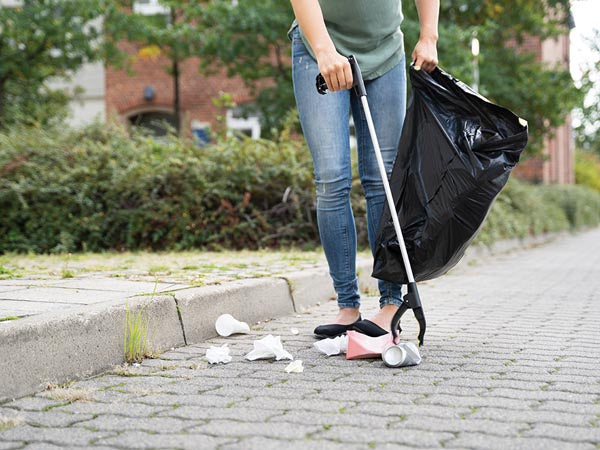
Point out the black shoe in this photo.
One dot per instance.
(369, 328)
(334, 329)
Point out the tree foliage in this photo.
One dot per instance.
(543, 94)
(169, 33)
(41, 40)
(250, 41)
(587, 132)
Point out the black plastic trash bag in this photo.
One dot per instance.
(455, 155)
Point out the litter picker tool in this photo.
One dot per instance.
(411, 299)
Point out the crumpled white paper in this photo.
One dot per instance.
(268, 347)
(217, 355)
(295, 367)
(294, 330)
(333, 346)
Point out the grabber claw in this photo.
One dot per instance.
(411, 301)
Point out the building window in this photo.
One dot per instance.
(153, 122)
(201, 132)
(149, 7)
(249, 125)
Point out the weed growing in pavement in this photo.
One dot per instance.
(66, 272)
(10, 422)
(6, 274)
(66, 394)
(126, 371)
(154, 270)
(135, 334)
(8, 318)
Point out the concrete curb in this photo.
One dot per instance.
(247, 300)
(55, 347)
(62, 346)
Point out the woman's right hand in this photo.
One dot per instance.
(336, 70)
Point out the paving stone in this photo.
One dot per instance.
(278, 391)
(58, 436)
(566, 433)
(32, 403)
(472, 401)
(126, 409)
(350, 418)
(263, 443)
(496, 383)
(416, 438)
(150, 424)
(234, 411)
(484, 441)
(508, 415)
(139, 439)
(376, 395)
(55, 419)
(46, 446)
(576, 408)
(591, 387)
(399, 410)
(298, 404)
(541, 395)
(11, 445)
(282, 430)
(214, 401)
(468, 424)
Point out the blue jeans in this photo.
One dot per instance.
(324, 120)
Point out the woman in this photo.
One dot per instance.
(323, 34)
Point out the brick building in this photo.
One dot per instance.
(556, 164)
(149, 94)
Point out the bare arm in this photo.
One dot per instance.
(334, 67)
(425, 52)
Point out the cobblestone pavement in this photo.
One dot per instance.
(511, 360)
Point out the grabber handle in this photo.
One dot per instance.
(357, 80)
(411, 301)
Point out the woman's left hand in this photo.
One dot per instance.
(425, 54)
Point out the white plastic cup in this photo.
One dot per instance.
(226, 325)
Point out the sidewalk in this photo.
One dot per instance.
(510, 361)
(49, 283)
(55, 329)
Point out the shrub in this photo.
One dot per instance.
(104, 187)
(524, 209)
(587, 170)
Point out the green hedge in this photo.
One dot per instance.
(587, 169)
(102, 188)
(524, 209)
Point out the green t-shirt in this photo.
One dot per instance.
(368, 29)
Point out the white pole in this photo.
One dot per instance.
(475, 52)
